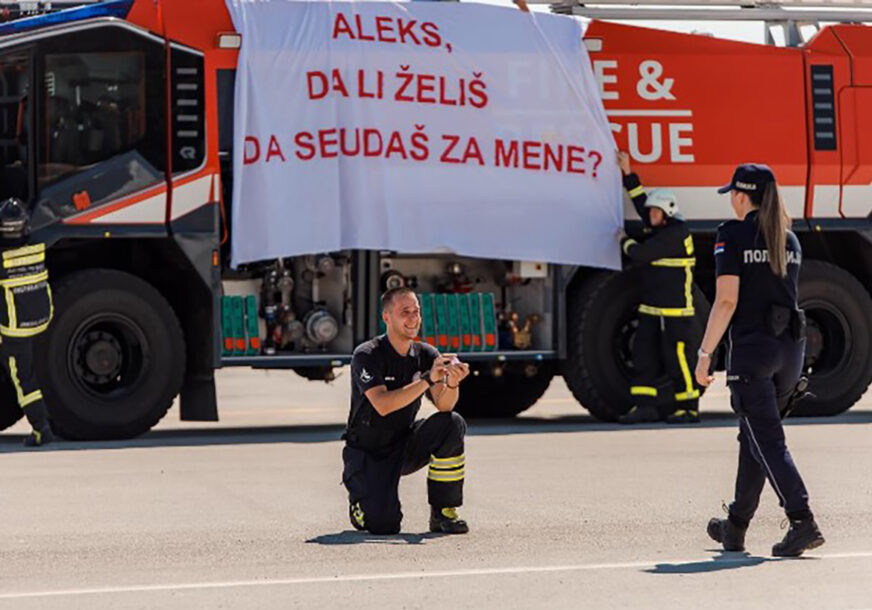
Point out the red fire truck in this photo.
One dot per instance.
(116, 128)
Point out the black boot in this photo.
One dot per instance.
(641, 415)
(684, 416)
(803, 535)
(355, 515)
(38, 438)
(446, 521)
(727, 533)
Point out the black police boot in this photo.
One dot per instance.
(803, 535)
(38, 438)
(446, 521)
(641, 415)
(355, 515)
(684, 416)
(727, 533)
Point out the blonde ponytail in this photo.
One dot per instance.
(774, 222)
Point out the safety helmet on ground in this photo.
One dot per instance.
(666, 200)
(13, 219)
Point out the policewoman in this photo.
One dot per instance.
(389, 375)
(757, 260)
(27, 313)
(666, 339)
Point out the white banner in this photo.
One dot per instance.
(419, 127)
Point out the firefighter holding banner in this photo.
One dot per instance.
(390, 374)
(665, 339)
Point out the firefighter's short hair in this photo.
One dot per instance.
(389, 295)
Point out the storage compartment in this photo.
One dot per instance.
(308, 310)
(473, 305)
(299, 305)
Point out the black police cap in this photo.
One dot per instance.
(750, 178)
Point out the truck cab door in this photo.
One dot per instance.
(855, 121)
(828, 76)
(101, 153)
(855, 127)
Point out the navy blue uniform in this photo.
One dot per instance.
(380, 449)
(666, 340)
(762, 368)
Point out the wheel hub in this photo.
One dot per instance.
(814, 343)
(103, 357)
(624, 344)
(108, 356)
(828, 338)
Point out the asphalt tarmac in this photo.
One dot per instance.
(565, 512)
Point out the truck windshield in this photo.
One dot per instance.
(14, 109)
(95, 126)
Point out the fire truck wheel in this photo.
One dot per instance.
(602, 320)
(515, 388)
(10, 412)
(112, 359)
(839, 338)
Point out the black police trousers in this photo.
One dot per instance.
(665, 345)
(762, 372)
(373, 478)
(17, 357)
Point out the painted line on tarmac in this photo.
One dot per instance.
(351, 578)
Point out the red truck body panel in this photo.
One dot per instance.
(688, 107)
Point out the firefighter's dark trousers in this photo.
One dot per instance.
(373, 479)
(17, 356)
(762, 373)
(665, 345)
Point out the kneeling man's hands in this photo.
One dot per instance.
(438, 371)
(457, 371)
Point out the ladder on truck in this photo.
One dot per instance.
(20, 9)
(790, 16)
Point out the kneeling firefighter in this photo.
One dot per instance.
(28, 312)
(665, 338)
(384, 441)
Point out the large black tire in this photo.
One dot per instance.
(602, 318)
(839, 347)
(10, 412)
(113, 358)
(517, 388)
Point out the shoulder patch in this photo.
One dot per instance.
(365, 376)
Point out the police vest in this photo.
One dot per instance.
(24, 279)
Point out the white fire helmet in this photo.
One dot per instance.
(666, 200)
